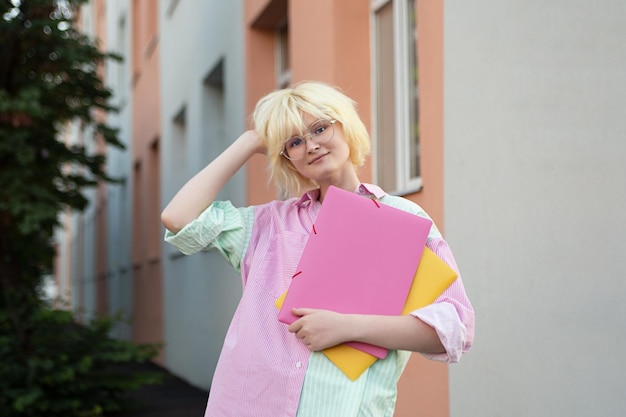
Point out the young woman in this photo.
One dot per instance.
(313, 138)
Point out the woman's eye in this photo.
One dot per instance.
(319, 129)
(294, 142)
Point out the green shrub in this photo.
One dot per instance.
(68, 370)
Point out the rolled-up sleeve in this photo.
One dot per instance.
(451, 315)
(220, 226)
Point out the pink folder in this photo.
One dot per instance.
(361, 258)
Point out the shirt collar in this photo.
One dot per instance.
(371, 190)
(368, 190)
(312, 195)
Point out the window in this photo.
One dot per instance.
(396, 102)
(122, 67)
(214, 121)
(283, 71)
(153, 200)
(273, 18)
(171, 8)
(178, 155)
(138, 207)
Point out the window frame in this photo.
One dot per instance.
(282, 55)
(404, 183)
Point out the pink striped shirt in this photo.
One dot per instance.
(263, 369)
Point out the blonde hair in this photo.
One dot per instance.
(279, 114)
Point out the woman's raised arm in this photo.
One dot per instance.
(201, 190)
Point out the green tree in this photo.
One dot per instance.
(48, 79)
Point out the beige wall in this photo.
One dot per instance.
(202, 112)
(102, 293)
(535, 191)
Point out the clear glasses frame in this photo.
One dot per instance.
(321, 132)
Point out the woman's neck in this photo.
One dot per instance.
(349, 184)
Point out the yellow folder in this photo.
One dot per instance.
(433, 277)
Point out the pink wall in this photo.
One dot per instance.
(343, 37)
(344, 44)
(260, 80)
(425, 383)
(102, 293)
(147, 320)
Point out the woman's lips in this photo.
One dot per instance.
(314, 160)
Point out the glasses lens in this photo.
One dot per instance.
(294, 148)
(320, 132)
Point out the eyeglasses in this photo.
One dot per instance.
(320, 132)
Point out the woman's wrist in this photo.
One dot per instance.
(252, 143)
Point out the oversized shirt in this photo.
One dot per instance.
(264, 370)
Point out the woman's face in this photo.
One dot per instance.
(326, 162)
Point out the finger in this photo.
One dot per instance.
(302, 311)
(294, 327)
(298, 311)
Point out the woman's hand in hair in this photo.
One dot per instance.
(253, 139)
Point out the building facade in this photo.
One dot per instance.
(203, 92)
(504, 120)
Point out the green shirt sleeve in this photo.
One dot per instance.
(411, 207)
(220, 226)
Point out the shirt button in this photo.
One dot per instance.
(299, 365)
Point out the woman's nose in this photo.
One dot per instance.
(310, 143)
